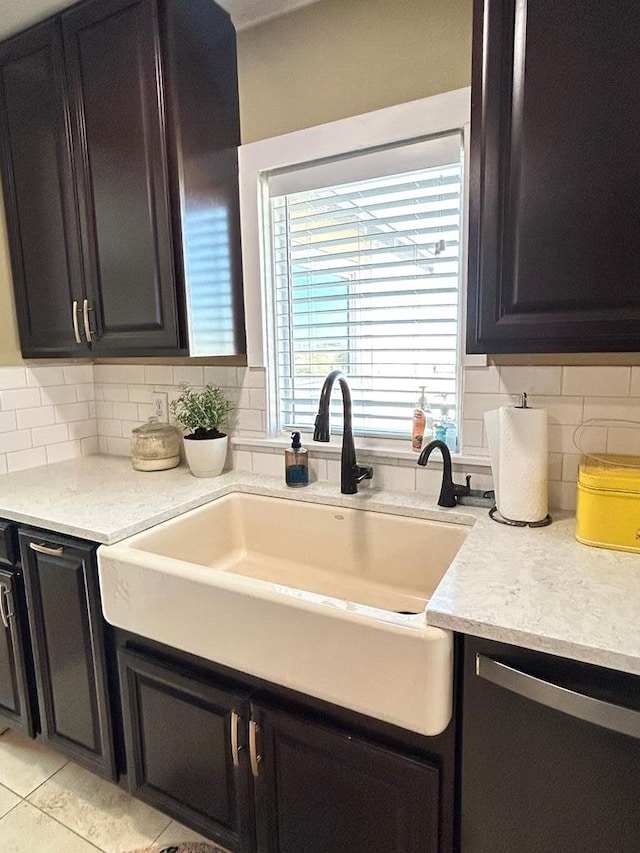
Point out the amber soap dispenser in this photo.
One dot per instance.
(296, 463)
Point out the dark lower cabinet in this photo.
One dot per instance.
(231, 763)
(16, 671)
(184, 739)
(550, 754)
(319, 789)
(66, 629)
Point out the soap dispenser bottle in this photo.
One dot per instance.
(296, 463)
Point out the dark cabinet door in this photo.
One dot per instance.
(555, 174)
(323, 790)
(112, 50)
(546, 766)
(16, 709)
(35, 156)
(186, 749)
(68, 647)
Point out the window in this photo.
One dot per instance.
(366, 279)
(360, 226)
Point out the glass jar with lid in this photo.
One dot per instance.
(155, 446)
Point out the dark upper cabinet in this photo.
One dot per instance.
(36, 163)
(554, 216)
(65, 620)
(320, 789)
(120, 129)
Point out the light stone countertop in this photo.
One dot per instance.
(534, 588)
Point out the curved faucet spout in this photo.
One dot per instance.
(449, 491)
(351, 472)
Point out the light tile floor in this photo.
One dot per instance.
(50, 805)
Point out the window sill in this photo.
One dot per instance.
(390, 451)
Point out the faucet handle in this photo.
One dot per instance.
(364, 472)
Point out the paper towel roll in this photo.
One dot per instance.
(518, 445)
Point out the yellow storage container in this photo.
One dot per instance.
(608, 502)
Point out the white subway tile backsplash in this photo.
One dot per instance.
(249, 419)
(268, 463)
(475, 405)
(12, 377)
(251, 377)
(8, 421)
(561, 410)
(624, 440)
(158, 374)
(89, 445)
(86, 391)
(226, 377)
(62, 452)
(130, 374)
(58, 395)
(125, 411)
(115, 393)
(241, 459)
(72, 412)
(562, 496)
(612, 408)
(39, 377)
(20, 398)
(3, 463)
(109, 427)
(555, 466)
(481, 380)
(257, 399)
(570, 464)
(12, 441)
(191, 375)
(105, 373)
(140, 394)
(50, 435)
(78, 374)
(532, 380)
(118, 446)
(393, 478)
(599, 381)
(472, 432)
(83, 429)
(23, 459)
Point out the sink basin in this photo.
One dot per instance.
(323, 599)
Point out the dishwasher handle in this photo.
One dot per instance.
(616, 718)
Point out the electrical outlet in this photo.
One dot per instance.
(160, 406)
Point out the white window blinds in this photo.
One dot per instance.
(366, 279)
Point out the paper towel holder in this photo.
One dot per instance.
(523, 401)
(494, 515)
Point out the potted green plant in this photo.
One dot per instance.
(203, 413)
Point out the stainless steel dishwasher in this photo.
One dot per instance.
(550, 754)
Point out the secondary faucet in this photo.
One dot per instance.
(449, 491)
(351, 473)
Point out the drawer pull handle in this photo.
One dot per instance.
(85, 319)
(616, 718)
(74, 316)
(235, 749)
(4, 614)
(254, 728)
(44, 549)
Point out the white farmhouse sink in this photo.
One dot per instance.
(323, 599)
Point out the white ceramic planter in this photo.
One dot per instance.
(206, 457)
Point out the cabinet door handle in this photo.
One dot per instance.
(76, 328)
(235, 749)
(85, 319)
(254, 728)
(4, 615)
(616, 718)
(44, 549)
